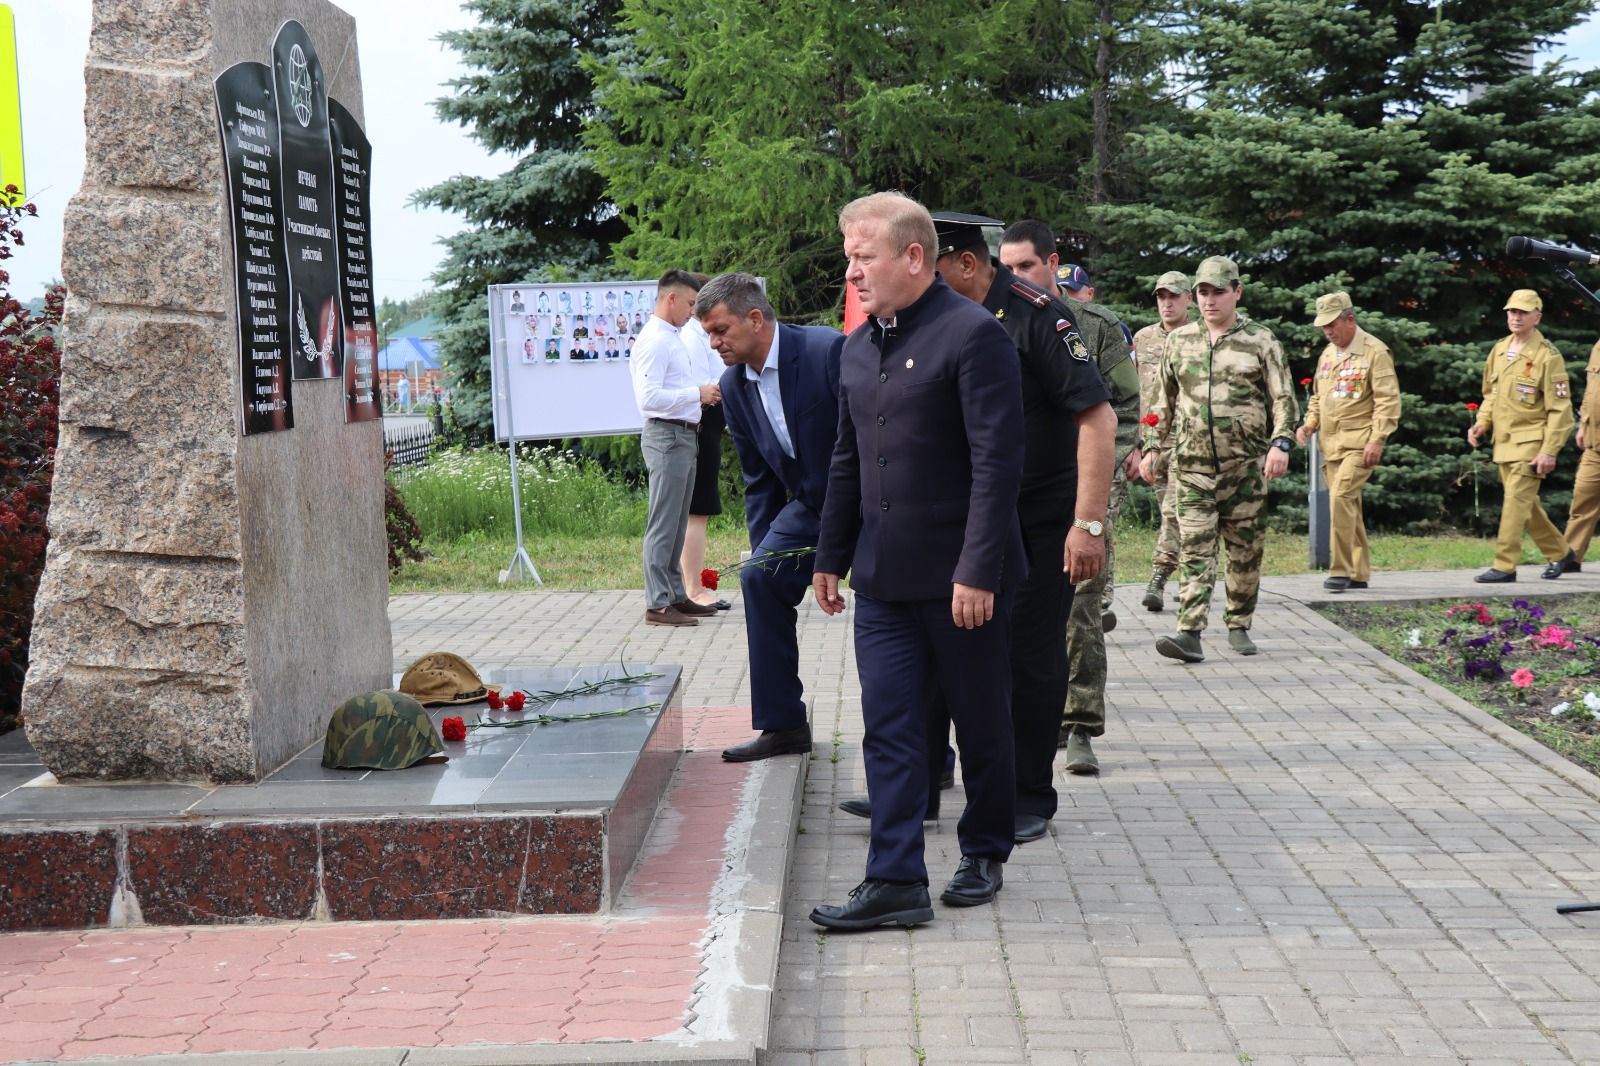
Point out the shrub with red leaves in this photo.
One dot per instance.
(30, 389)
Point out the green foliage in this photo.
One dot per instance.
(545, 219)
(730, 132)
(1388, 148)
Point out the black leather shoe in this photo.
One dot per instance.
(1030, 827)
(1492, 576)
(873, 903)
(723, 605)
(976, 881)
(861, 807)
(1336, 583)
(1564, 565)
(1357, 585)
(771, 742)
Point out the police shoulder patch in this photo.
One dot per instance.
(1032, 293)
(1075, 346)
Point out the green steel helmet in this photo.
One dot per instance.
(383, 730)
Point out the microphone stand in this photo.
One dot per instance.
(1566, 275)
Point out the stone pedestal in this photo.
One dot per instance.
(208, 597)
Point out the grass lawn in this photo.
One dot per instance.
(1447, 648)
(611, 561)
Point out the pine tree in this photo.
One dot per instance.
(547, 218)
(1388, 148)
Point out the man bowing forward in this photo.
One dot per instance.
(922, 508)
(780, 397)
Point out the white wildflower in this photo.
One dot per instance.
(1560, 709)
(1591, 701)
(1414, 639)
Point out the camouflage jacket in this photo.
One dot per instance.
(1110, 344)
(1223, 402)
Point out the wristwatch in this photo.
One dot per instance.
(1095, 528)
(1283, 444)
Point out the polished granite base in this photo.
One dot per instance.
(536, 819)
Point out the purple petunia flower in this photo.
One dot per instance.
(1447, 636)
(1484, 670)
(1480, 642)
(1506, 648)
(1529, 629)
(1521, 605)
(1535, 613)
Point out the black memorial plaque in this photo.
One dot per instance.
(248, 120)
(309, 203)
(352, 161)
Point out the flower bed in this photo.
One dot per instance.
(1534, 664)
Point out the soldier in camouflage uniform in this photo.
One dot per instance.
(1224, 400)
(1031, 245)
(1173, 300)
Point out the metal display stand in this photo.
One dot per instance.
(521, 566)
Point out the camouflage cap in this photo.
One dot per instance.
(1331, 306)
(383, 730)
(1524, 300)
(1218, 270)
(1173, 281)
(441, 677)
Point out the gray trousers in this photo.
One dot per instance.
(669, 455)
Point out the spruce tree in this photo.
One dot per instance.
(1388, 148)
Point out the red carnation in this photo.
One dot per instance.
(1305, 381)
(454, 728)
(495, 702)
(708, 578)
(1151, 419)
(515, 701)
(1472, 407)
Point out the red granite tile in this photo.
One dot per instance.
(405, 868)
(204, 873)
(564, 873)
(57, 879)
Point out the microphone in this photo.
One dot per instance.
(1528, 248)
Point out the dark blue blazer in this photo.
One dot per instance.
(782, 494)
(922, 490)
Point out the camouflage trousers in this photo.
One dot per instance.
(1086, 637)
(1165, 556)
(1227, 505)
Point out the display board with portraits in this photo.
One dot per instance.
(560, 356)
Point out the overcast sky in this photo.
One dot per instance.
(403, 69)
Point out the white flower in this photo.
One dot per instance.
(1591, 701)
(1559, 709)
(1414, 639)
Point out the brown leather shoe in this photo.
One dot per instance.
(668, 616)
(693, 609)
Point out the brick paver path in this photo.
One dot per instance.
(1297, 858)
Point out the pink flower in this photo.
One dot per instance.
(1522, 678)
(1555, 637)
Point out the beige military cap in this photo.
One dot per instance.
(1524, 300)
(1331, 306)
(1173, 281)
(1218, 270)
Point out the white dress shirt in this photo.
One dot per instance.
(664, 384)
(772, 398)
(707, 363)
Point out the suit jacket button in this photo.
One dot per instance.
(882, 461)
(883, 377)
(880, 420)
(884, 504)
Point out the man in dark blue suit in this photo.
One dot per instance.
(922, 509)
(780, 397)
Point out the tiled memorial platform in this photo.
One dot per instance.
(537, 819)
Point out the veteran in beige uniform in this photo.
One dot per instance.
(1585, 512)
(1527, 406)
(1355, 406)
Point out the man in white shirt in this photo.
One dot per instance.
(666, 389)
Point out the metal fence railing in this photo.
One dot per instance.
(410, 446)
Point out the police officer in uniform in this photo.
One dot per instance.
(1069, 427)
(1527, 405)
(1355, 406)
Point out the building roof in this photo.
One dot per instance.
(426, 328)
(399, 354)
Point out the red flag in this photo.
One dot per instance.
(853, 315)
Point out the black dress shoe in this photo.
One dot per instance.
(723, 605)
(1495, 577)
(976, 881)
(861, 807)
(1564, 565)
(1030, 827)
(1357, 585)
(873, 903)
(771, 742)
(1336, 583)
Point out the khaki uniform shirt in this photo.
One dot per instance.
(1354, 400)
(1223, 402)
(1527, 401)
(1589, 417)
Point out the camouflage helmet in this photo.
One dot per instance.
(383, 730)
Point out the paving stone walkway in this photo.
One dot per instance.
(1309, 857)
